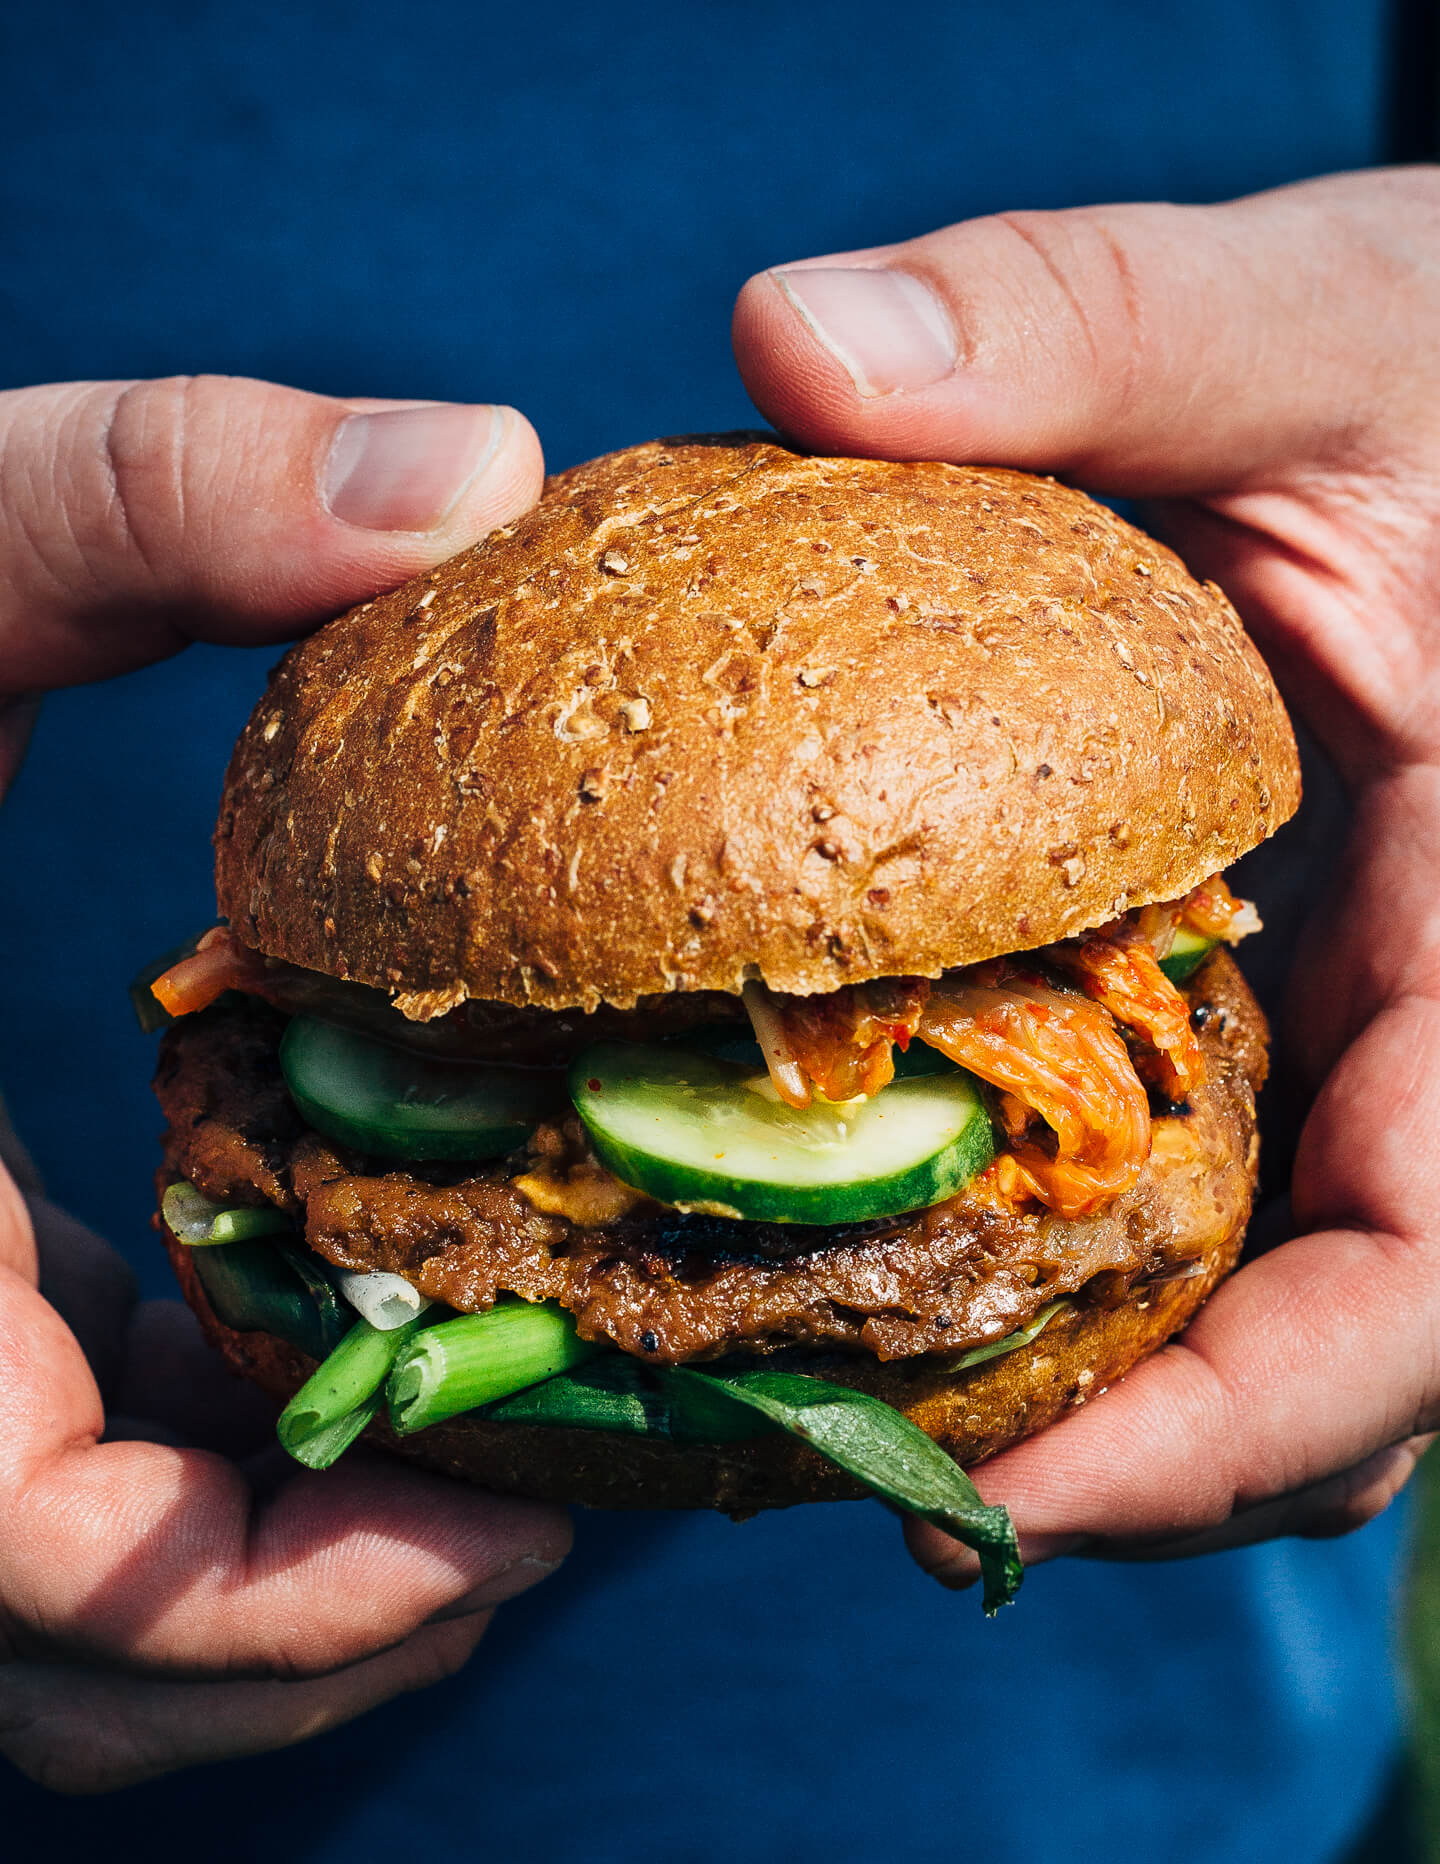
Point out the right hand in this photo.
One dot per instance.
(1267, 371)
(166, 1597)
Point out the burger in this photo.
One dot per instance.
(724, 993)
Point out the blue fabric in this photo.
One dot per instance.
(554, 207)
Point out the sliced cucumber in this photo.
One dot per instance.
(1187, 954)
(394, 1104)
(704, 1133)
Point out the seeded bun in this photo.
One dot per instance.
(973, 1414)
(718, 710)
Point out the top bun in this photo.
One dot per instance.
(717, 710)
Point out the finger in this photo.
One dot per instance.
(90, 1286)
(1146, 348)
(177, 1384)
(136, 516)
(1323, 1511)
(1303, 1366)
(89, 1731)
(17, 721)
(1338, 1505)
(18, 1253)
(954, 1566)
(171, 1562)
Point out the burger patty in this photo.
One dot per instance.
(669, 1288)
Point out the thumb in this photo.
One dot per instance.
(1146, 348)
(137, 516)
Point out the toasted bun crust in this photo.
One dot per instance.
(973, 1414)
(716, 710)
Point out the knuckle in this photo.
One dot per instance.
(73, 1755)
(144, 446)
(443, 1651)
(1085, 286)
(1356, 1496)
(87, 487)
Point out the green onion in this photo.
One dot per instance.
(617, 1393)
(326, 1446)
(265, 1286)
(1022, 1336)
(385, 1300)
(199, 1220)
(340, 1397)
(478, 1358)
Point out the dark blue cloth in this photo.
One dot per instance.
(554, 206)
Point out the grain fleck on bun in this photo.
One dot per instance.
(717, 710)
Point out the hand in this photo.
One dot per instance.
(1267, 373)
(161, 1604)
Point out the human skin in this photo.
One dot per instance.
(1266, 376)
(170, 1592)
(1266, 372)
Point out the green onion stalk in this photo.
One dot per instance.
(478, 1358)
(341, 1396)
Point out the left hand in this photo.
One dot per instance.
(1268, 371)
(166, 1596)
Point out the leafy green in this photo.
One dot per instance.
(894, 1458)
(262, 1286)
(1022, 1336)
(620, 1394)
(860, 1434)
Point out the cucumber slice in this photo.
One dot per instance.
(1187, 954)
(704, 1133)
(393, 1104)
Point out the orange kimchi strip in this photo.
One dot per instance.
(839, 1043)
(219, 963)
(1056, 1056)
(1122, 973)
(1214, 912)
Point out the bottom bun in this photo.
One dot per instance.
(973, 1413)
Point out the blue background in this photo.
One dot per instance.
(555, 207)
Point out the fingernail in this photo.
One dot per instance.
(956, 1571)
(510, 1581)
(889, 329)
(406, 469)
